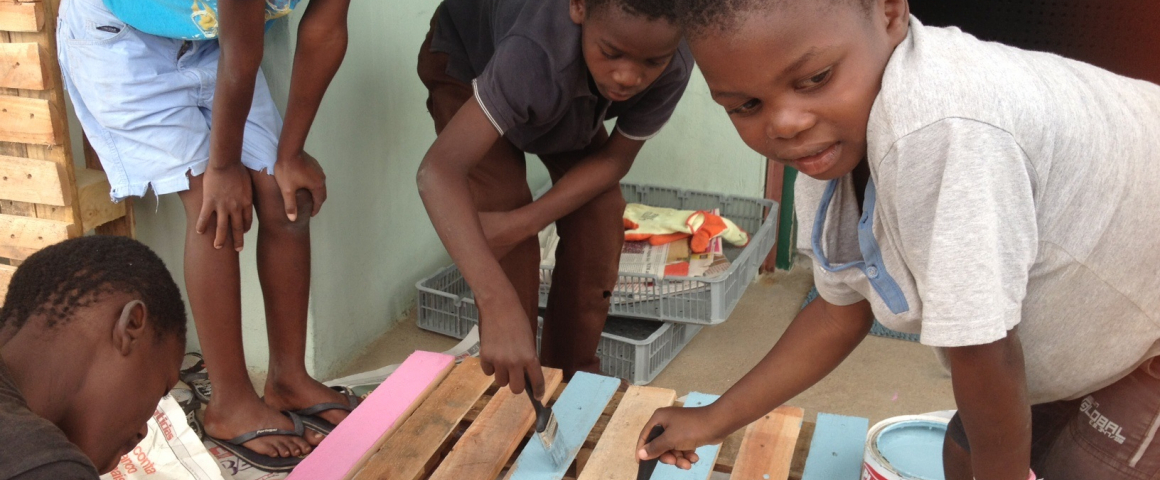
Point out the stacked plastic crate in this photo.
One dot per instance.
(652, 321)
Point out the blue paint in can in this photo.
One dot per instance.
(913, 448)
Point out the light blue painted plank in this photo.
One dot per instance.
(577, 411)
(837, 449)
(707, 454)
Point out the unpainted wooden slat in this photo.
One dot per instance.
(93, 200)
(408, 451)
(61, 153)
(576, 412)
(6, 272)
(33, 181)
(23, 236)
(21, 66)
(707, 454)
(491, 439)
(17, 16)
(29, 120)
(838, 447)
(614, 457)
(767, 449)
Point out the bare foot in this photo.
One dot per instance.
(304, 392)
(226, 421)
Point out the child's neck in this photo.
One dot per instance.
(861, 177)
(46, 381)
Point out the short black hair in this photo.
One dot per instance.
(650, 9)
(708, 17)
(58, 279)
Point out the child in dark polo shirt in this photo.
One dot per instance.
(509, 77)
(91, 336)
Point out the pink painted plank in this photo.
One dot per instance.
(344, 452)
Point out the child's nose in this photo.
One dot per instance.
(785, 123)
(627, 77)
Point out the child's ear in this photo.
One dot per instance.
(130, 327)
(896, 13)
(578, 11)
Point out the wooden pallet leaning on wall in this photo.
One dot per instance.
(44, 199)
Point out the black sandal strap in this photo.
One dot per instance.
(298, 431)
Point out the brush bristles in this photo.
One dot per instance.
(548, 437)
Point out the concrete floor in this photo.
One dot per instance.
(882, 378)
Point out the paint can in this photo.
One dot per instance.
(905, 448)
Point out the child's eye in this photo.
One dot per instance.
(609, 56)
(817, 80)
(746, 108)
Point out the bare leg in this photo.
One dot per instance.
(284, 272)
(213, 281)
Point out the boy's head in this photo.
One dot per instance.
(93, 330)
(627, 44)
(797, 77)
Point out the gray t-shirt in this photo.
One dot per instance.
(32, 448)
(1007, 188)
(524, 60)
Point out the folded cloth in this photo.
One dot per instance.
(659, 225)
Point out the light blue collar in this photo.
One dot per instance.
(871, 264)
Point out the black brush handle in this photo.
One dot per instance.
(541, 412)
(645, 469)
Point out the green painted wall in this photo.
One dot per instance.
(372, 240)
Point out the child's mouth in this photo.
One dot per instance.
(818, 163)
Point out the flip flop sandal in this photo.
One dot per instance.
(190, 405)
(318, 424)
(196, 377)
(265, 463)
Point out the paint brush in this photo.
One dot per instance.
(546, 427)
(645, 469)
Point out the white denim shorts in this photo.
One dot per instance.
(145, 102)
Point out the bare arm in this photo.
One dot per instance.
(990, 388)
(507, 344)
(322, 41)
(815, 343)
(227, 183)
(592, 175)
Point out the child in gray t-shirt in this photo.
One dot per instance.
(1001, 203)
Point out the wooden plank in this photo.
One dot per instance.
(23, 236)
(6, 272)
(93, 200)
(405, 454)
(491, 439)
(576, 413)
(614, 457)
(17, 16)
(33, 181)
(343, 453)
(767, 449)
(707, 455)
(837, 449)
(21, 66)
(29, 120)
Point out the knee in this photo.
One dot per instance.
(272, 214)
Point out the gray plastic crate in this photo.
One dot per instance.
(699, 300)
(632, 349)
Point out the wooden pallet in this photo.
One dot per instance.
(43, 198)
(467, 428)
